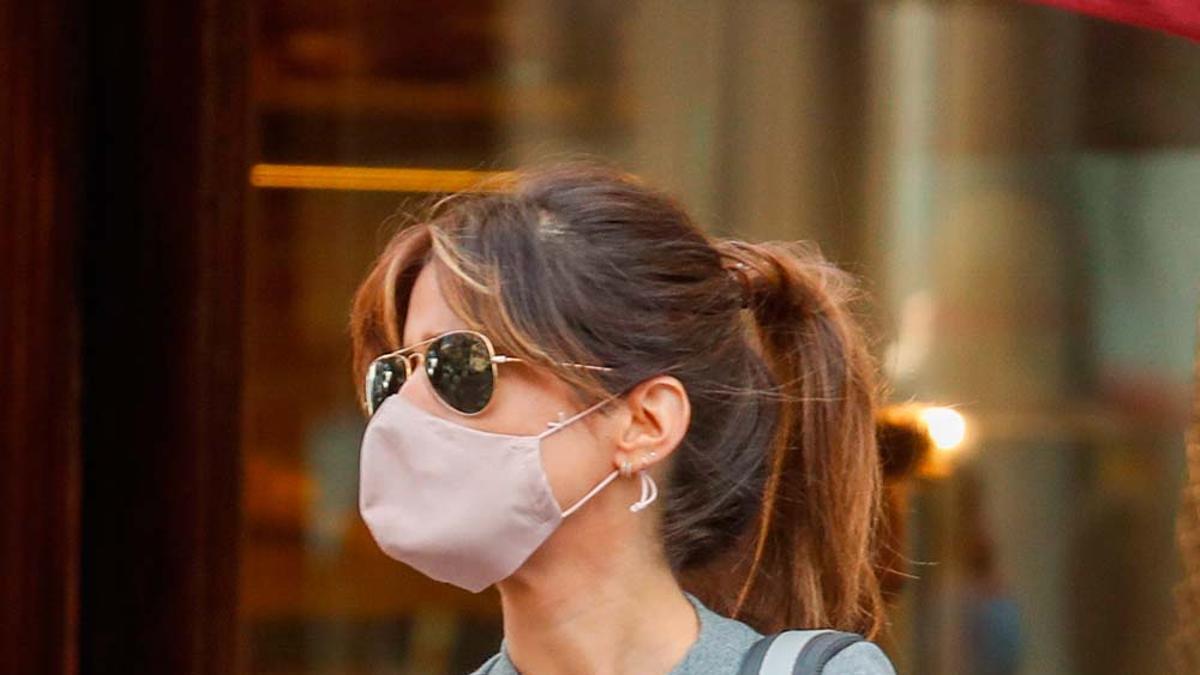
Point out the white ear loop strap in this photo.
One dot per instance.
(649, 492)
(583, 500)
(649, 487)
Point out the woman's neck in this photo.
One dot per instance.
(606, 611)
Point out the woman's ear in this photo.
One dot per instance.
(658, 417)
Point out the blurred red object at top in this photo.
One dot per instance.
(1181, 17)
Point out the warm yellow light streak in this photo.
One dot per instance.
(363, 178)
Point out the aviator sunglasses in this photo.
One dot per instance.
(460, 364)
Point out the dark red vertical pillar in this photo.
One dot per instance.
(39, 336)
(160, 253)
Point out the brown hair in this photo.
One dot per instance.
(777, 481)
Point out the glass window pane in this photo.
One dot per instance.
(1014, 183)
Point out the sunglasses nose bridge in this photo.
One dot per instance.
(413, 368)
(413, 361)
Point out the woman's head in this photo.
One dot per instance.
(758, 380)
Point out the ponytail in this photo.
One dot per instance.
(810, 557)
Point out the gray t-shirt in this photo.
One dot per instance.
(722, 644)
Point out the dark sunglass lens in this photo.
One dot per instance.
(460, 369)
(386, 376)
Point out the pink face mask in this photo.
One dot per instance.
(457, 504)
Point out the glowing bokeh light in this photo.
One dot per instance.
(947, 427)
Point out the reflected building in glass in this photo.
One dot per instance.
(1015, 184)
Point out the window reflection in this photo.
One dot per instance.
(1024, 217)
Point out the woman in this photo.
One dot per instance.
(578, 396)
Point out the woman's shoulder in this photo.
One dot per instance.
(724, 643)
(720, 646)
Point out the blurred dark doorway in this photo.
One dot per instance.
(121, 199)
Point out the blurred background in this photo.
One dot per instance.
(1016, 185)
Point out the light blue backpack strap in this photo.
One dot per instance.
(795, 652)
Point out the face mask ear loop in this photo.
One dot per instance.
(583, 500)
(649, 492)
(649, 487)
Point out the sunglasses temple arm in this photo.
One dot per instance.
(500, 358)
